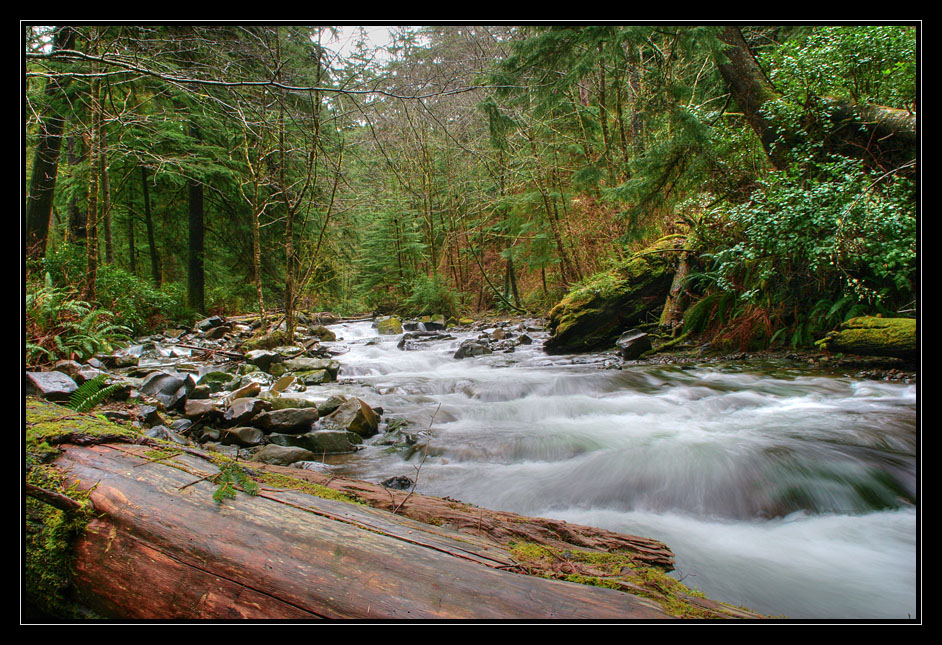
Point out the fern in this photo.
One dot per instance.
(91, 393)
(230, 477)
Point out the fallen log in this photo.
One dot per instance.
(161, 542)
(874, 336)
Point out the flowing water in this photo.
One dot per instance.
(787, 490)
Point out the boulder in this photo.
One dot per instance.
(262, 358)
(323, 333)
(170, 389)
(242, 410)
(472, 347)
(242, 436)
(632, 344)
(219, 381)
(353, 415)
(390, 326)
(595, 313)
(320, 442)
(282, 455)
(286, 421)
(52, 386)
(332, 403)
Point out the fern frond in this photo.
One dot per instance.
(91, 393)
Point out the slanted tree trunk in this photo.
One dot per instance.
(883, 137)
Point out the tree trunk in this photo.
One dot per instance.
(91, 215)
(149, 225)
(42, 186)
(195, 277)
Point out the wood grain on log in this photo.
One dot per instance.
(161, 548)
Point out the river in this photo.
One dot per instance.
(786, 489)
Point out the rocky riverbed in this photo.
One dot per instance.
(226, 386)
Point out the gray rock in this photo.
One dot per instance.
(171, 390)
(52, 386)
(262, 358)
(209, 323)
(289, 420)
(472, 347)
(320, 442)
(354, 415)
(282, 455)
(243, 436)
(330, 404)
(165, 433)
(632, 344)
(399, 482)
(242, 410)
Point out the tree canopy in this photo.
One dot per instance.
(175, 170)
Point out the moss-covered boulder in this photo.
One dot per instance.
(874, 336)
(593, 315)
(389, 326)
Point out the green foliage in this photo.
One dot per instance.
(91, 393)
(232, 477)
(58, 325)
(814, 246)
(869, 63)
(431, 295)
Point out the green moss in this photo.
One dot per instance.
(284, 481)
(873, 335)
(613, 571)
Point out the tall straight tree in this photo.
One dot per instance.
(42, 186)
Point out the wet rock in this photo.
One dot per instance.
(170, 389)
(399, 482)
(354, 415)
(202, 408)
(216, 332)
(410, 340)
(209, 323)
(165, 434)
(263, 358)
(285, 383)
(592, 316)
(282, 455)
(286, 421)
(242, 410)
(388, 326)
(332, 403)
(148, 416)
(472, 347)
(250, 389)
(313, 377)
(632, 344)
(323, 333)
(244, 436)
(320, 442)
(218, 381)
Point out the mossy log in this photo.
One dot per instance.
(161, 543)
(593, 315)
(873, 336)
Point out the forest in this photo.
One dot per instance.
(176, 171)
(544, 321)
